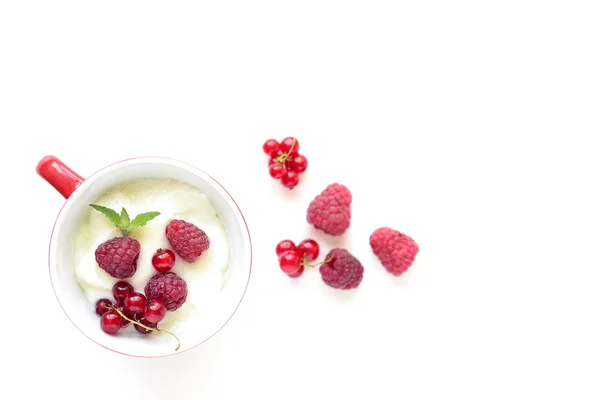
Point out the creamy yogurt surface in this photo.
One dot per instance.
(174, 200)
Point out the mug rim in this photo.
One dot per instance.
(177, 163)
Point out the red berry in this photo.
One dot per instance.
(163, 260)
(111, 322)
(188, 241)
(168, 288)
(121, 290)
(124, 322)
(144, 330)
(134, 305)
(299, 163)
(288, 143)
(274, 158)
(102, 306)
(155, 311)
(118, 256)
(290, 179)
(276, 170)
(289, 262)
(271, 147)
(283, 246)
(298, 273)
(309, 249)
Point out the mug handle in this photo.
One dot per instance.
(59, 175)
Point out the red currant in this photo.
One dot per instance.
(289, 262)
(274, 158)
(102, 306)
(299, 163)
(155, 311)
(283, 246)
(134, 305)
(309, 249)
(276, 170)
(124, 322)
(298, 273)
(121, 290)
(111, 322)
(144, 330)
(290, 179)
(271, 147)
(163, 260)
(288, 144)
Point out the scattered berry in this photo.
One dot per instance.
(118, 256)
(299, 163)
(297, 273)
(188, 241)
(289, 262)
(163, 260)
(110, 322)
(143, 330)
(121, 290)
(341, 270)
(290, 179)
(102, 306)
(134, 305)
(283, 246)
(276, 170)
(308, 249)
(271, 147)
(330, 210)
(290, 145)
(169, 288)
(155, 311)
(395, 250)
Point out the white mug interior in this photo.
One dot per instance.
(82, 313)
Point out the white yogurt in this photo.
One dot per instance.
(174, 200)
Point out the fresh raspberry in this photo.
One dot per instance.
(187, 239)
(330, 210)
(168, 288)
(395, 250)
(342, 270)
(118, 256)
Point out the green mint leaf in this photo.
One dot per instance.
(142, 219)
(110, 214)
(124, 218)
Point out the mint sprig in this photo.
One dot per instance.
(122, 221)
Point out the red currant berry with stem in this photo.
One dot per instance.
(121, 290)
(143, 330)
(289, 262)
(299, 163)
(308, 249)
(276, 170)
(298, 273)
(290, 145)
(270, 147)
(134, 305)
(155, 311)
(102, 306)
(290, 179)
(163, 260)
(283, 246)
(275, 159)
(110, 322)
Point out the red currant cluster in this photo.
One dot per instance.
(285, 161)
(133, 307)
(293, 259)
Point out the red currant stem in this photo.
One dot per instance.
(281, 159)
(147, 327)
(307, 264)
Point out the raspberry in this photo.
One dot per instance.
(341, 270)
(168, 288)
(330, 210)
(395, 250)
(118, 256)
(187, 239)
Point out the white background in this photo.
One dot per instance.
(469, 125)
